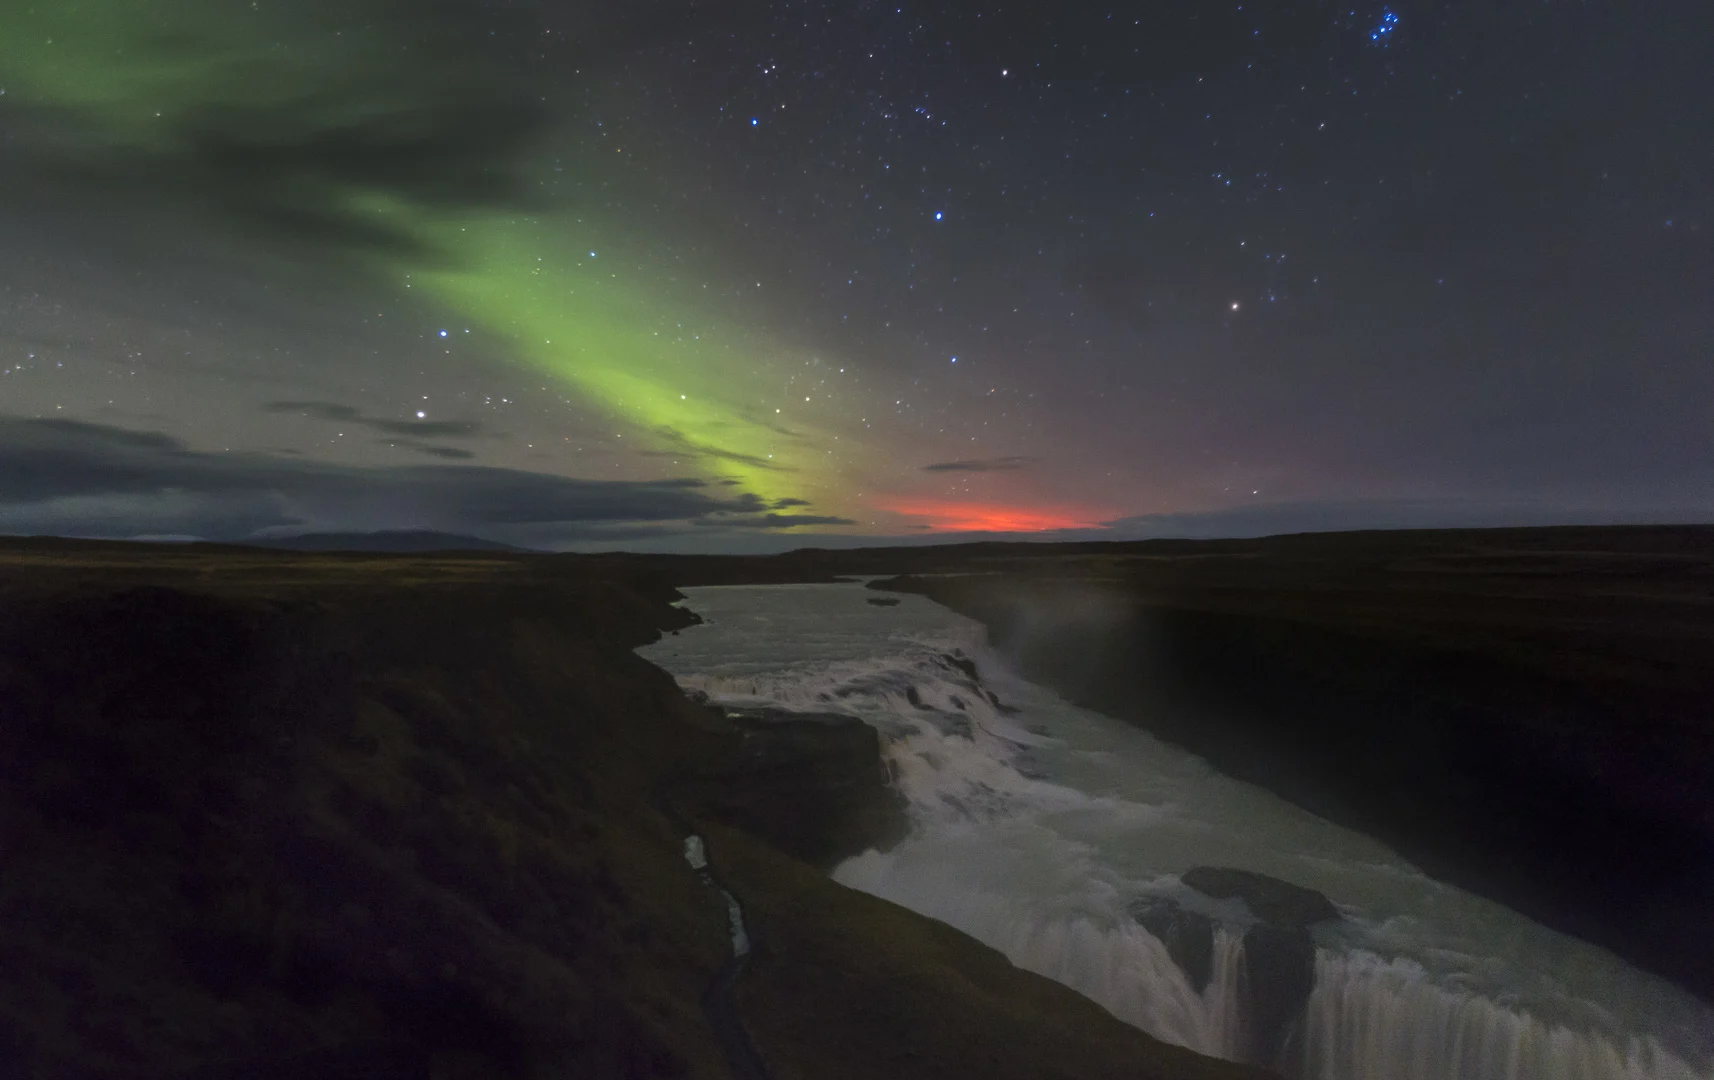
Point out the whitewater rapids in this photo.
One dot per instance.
(1037, 825)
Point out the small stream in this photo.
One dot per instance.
(717, 1002)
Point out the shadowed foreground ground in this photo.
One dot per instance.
(279, 815)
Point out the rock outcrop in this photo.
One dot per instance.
(1279, 952)
(1278, 975)
(1269, 899)
(813, 785)
(1187, 935)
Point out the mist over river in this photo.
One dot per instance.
(1044, 830)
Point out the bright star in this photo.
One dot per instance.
(937, 215)
(1382, 34)
(421, 415)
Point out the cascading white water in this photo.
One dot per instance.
(1370, 1017)
(1036, 826)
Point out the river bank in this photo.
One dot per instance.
(1194, 905)
(1528, 714)
(277, 815)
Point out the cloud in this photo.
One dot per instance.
(771, 521)
(792, 521)
(999, 464)
(782, 504)
(439, 429)
(1272, 519)
(450, 453)
(68, 477)
(280, 117)
(686, 447)
(320, 410)
(300, 119)
(345, 414)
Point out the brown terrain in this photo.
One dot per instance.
(271, 815)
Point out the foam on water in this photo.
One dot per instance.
(1035, 825)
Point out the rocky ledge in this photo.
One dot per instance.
(1278, 962)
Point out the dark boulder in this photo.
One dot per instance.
(813, 784)
(884, 601)
(962, 663)
(1279, 953)
(1187, 935)
(1269, 899)
(1278, 975)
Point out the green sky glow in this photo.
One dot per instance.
(133, 70)
(680, 375)
(683, 379)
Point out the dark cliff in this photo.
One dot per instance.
(274, 815)
(1529, 714)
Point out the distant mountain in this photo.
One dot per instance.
(401, 540)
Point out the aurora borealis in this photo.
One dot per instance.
(859, 270)
(606, 331)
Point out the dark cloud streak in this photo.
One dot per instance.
(91, 479)
(978, 465)
(345, 414)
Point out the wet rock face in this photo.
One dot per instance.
(1278, 975)
(1279, 953)
(812, 784)
(962, 663)
(1187, 935)
(1269, 899)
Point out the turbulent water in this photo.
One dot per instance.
(1038, 826)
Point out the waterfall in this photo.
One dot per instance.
(1369, 1018)
(1366, 1019)
(1039, 828)
(1114, 962)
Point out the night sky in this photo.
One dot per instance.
(738, 276)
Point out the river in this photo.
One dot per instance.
(1041, 829)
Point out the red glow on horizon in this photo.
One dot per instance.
(946, 516)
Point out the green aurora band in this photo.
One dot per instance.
(687, 390)
(139, 80)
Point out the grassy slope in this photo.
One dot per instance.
(411, 809)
